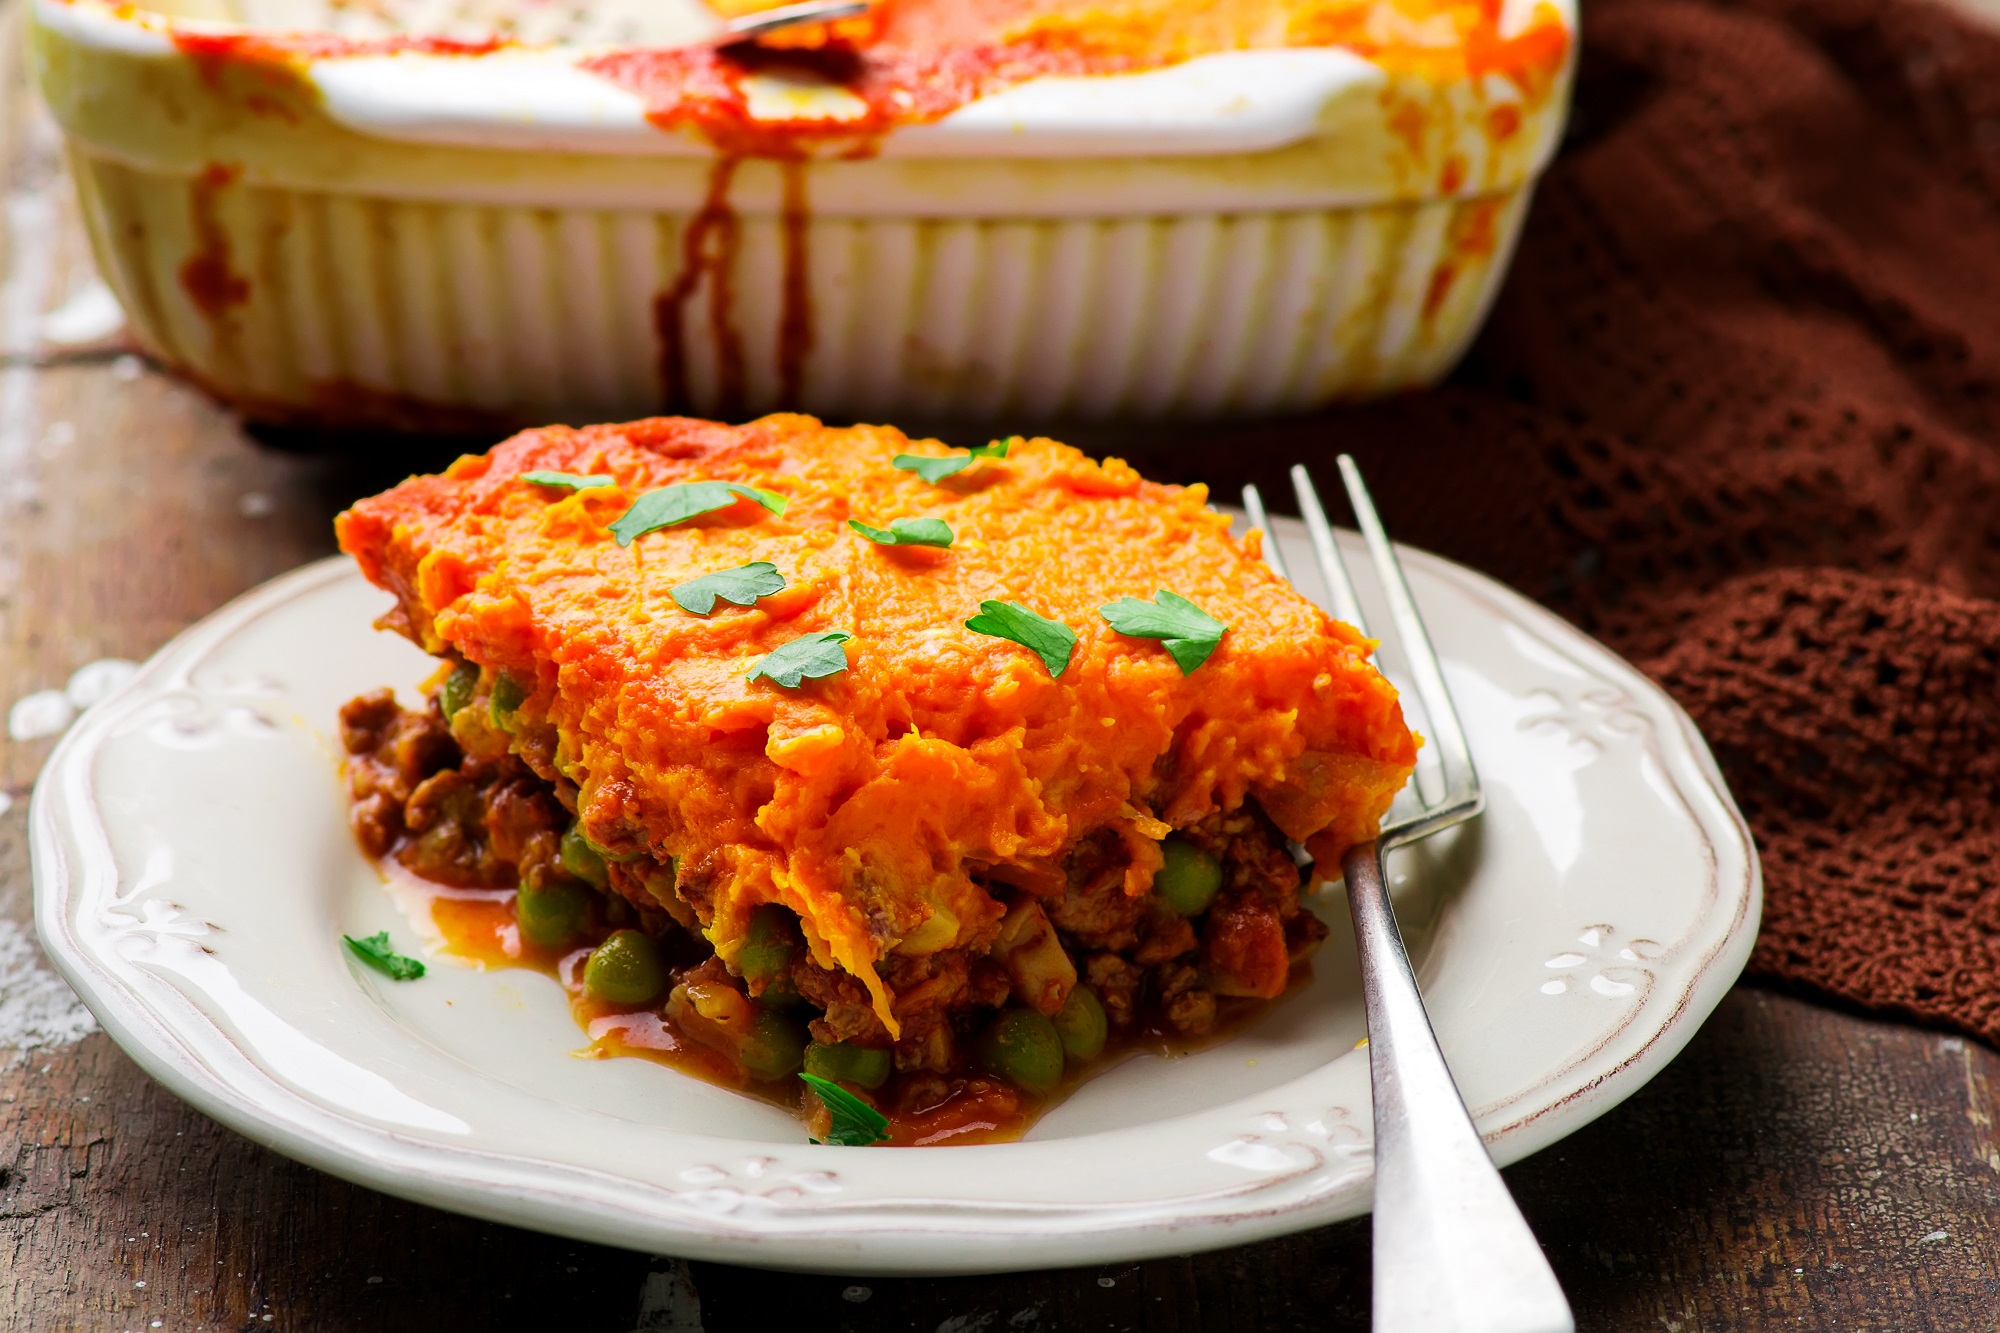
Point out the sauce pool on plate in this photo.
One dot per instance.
(479, 927)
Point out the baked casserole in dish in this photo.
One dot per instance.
(452, 217)
(937, 775)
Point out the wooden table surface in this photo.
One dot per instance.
(1796, 1167)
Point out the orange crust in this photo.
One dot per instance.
(865, 802)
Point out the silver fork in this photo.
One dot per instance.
(1452, 1252)
(748, 27)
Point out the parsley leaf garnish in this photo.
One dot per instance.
(853, 1122)
(568, 480)
(685, 500)
(1184, 629)
(375, 952)
(906, 532)
(742, 585)
(809, 657)
(937, 469)
(1050, 640)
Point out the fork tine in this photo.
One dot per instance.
(1332, 569)
(1274, 554)
(1453, 751)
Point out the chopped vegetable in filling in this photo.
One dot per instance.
(987, 1035)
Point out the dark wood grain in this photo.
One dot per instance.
(1796, 1167)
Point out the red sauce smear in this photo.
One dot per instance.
(708, 249)
(795, 316)
(915, 61)
(206, 276)
(296, 48)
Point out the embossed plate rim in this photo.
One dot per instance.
(878, 1229)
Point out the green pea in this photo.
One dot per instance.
(606, 854)
(776, 1047)
(508, 695)
(660, 879)
(1022, 1047)
(457, 689)
(626, 969)
(844, 1062)
(779, 993)
(551, 915)
(1189, 880)
(581, 859)
(768, 946)
(1082, 1024)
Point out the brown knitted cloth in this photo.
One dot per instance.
(1737, 413)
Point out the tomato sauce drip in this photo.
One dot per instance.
(709, 246)
(208, 277)
(703, 89)
(795, 314)
(715, 222)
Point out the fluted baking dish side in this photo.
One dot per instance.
(322, 305)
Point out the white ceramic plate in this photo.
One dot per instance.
(194, 873)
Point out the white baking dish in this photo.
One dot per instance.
(445, 240)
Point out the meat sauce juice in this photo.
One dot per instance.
(478, 927)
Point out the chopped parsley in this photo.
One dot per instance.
(568, 481)
(809, 657)
(685, 500)
(853, 1123)
(375, 952)
(1184, 629)
(1050, 640)
(906, 532)
(742, 585)
(937, 469)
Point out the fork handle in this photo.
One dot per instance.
(1452, 1252)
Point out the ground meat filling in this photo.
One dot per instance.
(470, 823)
(1139, 956)
(418, 797)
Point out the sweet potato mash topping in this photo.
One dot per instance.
(895, 804)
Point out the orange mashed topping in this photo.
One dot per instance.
(873, 803)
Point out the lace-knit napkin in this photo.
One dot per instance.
(1737, 413)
